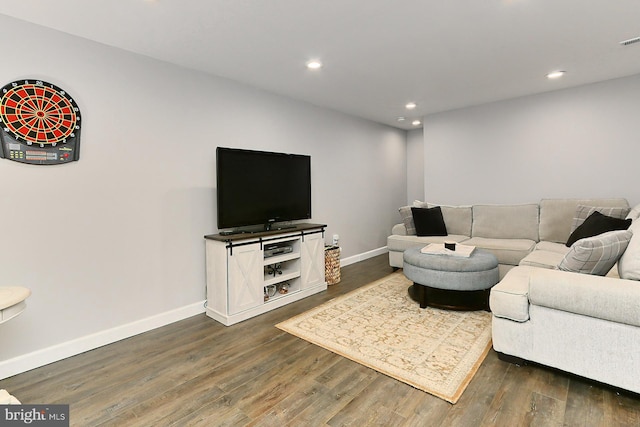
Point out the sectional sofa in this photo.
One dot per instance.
(586, 324)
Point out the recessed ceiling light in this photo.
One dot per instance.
(410, 105)
(416, 122)
(556, 74)
(314, 64)
(401, 119)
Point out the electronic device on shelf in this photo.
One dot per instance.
(277, 249)
(259, 188)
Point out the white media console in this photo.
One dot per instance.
(244, 280)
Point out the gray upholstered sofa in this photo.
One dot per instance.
(585, 324)
(524, 234)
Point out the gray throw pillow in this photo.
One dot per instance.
(596, 255)
(583, 212)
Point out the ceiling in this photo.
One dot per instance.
(377, 54)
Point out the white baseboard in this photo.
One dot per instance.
(63, 350)
(42, 357)
(361, 257)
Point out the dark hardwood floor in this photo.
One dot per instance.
(198, 372)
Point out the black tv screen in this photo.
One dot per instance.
(259, 187)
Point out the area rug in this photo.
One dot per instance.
(381, 327)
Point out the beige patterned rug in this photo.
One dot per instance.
(379, 326)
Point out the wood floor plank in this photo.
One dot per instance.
(197, 372)
(273, 387)
(475, 401)
(49, 378)
(584, 405)
(513, 399)
(621, 408)
(367, 408)
(161, 409)
(339, 385)
(544, 411)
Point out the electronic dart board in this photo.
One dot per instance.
(40, 123)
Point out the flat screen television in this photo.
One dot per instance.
(261, 188)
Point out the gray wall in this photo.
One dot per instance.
(415, 166)
(113, 244)
(580, 142)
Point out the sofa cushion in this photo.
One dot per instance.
(407, 216)
(629, 262)
(429, 221)
(583, 212)
(505, 221)
(556, 215)
(616, 300)
(546, 255)
(560, 248)
(596, 255)
(509, 299)
(595, 224)
(397, 243)
(456, 218)
(543, 259)
(508, 251)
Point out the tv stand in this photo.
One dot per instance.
(243, 282)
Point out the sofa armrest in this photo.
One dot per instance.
(509, 299)
(399, 230)
(604, 298)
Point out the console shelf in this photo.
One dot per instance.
(281, 258)
(238, 272)
(283, 278)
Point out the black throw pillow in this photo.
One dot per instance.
(429, 221)
(595, 224)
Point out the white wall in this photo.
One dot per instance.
(579, 142)
(117, 237)
(415, 165)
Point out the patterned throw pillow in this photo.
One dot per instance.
(583, 212)
(407, 216)
(596, 255)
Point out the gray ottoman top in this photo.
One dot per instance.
(480, 260)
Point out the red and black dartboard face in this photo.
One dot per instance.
(38, 112)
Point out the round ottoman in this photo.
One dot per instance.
(451, 281)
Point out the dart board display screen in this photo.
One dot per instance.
(40, 123)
